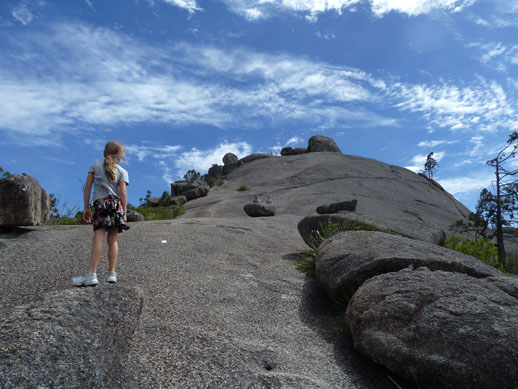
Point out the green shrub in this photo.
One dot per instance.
(480, 248)
(161, 213)
(308, 258)
(242, 188)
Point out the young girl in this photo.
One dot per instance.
(110, 198)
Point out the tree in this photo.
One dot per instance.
(506, 191)
(192, 175)
(430, 166)
(4, 173)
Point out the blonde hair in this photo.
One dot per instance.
(113, 154)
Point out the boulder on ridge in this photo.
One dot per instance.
(191, 190)
(22, 201)
(438, 329)
(229, 158)
(346, 260)
(255, 156)
(293, 151)
(319, 143)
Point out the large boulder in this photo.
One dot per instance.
(229, 158)
(195, 193)
(320, 143)
(75, 338)
(153, 201)
(349, 206)
(22, 201)
(254, 157)
(348, 259)
(439, 329)
(259, 210)
(407, 227)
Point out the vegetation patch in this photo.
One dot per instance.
(480, 248)
(242, 188)
(308, 258)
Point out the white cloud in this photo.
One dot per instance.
(294, 140)
(262, 9)
(174, 162)
(202, 160)
(189, 5)
(435, 143)
(417, 7)
(463, 184)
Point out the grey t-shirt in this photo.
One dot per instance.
(102, 186)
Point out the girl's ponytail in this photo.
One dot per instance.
(113, 153)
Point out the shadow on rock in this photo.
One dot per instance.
(326, 318)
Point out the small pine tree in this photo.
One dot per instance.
(430, 166)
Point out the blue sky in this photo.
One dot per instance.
(182, 82)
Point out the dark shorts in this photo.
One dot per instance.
(108, 213)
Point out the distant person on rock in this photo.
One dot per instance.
(257, 200)
(109, 181)
(269, 200)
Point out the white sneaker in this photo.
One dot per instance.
(85, 279)
(112, 277)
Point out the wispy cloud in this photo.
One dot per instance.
(110, 78)
(496, 55)
(261, 9)
(483, 105)
(463, 184)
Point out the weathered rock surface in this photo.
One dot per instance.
(215, 171)
(134, 216)
(319, 143)
(335, 207)
(229, 167)
(403, 226)
(293, 151)
(73, 338)
(301, 182)
(229, 158)
(224, 306)
(438, 329)
(257, 210)
(348, 259)
(22, 201)
(254, 157)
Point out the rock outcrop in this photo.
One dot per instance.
(293, 151)
(349, 206)
(319, 143)
(258, 210)
(348, 259)
(439, 329)
(406, 227)
(254, 157)
(389, 196)
(22, 201)
(190, 190)
(72, 338)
